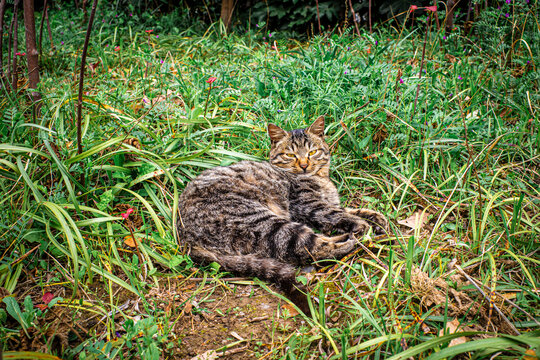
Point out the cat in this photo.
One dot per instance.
(256, 218)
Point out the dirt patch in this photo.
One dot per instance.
(196, 319)
(234, 321)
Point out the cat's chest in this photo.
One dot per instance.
(310, 188)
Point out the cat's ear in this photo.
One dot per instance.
(276, 133)
(317, 128)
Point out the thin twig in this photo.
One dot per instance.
(81, 76)
(473, 282)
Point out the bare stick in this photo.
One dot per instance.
(41, 26)
(49, 27)
(318, 16)
(421, 67)
(10, 37)
(2, 12)
(369, 10)
(354, 18)
(473, 282)
(15, 45)
(81, 76)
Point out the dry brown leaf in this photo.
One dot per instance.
(291, 311)
(128, 240)
(452, 327)
(415, 221)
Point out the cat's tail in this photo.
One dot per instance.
(272, 270)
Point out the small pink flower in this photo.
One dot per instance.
(211, 80)
(459, 77)
(117, 48)
(130, 14)
(413, 7)
(431, 8)
(126, 214)
(444, 37)
(157, 36)
(401, 80)
(149, 31)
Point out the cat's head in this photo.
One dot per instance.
(300, 151)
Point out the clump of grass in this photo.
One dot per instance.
(461, 167)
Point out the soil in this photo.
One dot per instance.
(225, 320)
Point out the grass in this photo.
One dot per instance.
(457, 175)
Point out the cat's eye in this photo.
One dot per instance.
(312, 152)
(291, 155)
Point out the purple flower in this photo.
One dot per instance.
(103, 20)
(157, 36)
(508, 1)
(161, 62)
(528, 62)
(507, 15)
(376, 42)
(279, 111)
(106, 45)
(444, 37)
(459, 77)
(345, 72)
(61, 43)
(269, 34)
(264, 37)
(257, 25)
(130, 14)
(401, 80)
(348, 47)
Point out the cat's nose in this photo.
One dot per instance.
(304, 165)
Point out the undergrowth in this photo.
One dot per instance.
(450, 154)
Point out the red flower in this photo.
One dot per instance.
(211, 80)
(126, 214)
(431, 8)
(149, 31)
(20, 53)
(413, 7)
(117, 48)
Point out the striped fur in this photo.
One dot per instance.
(256, 218)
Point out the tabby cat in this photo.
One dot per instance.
(256, 218)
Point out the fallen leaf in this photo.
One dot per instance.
(47, 297)
(451, 328)
(128, 240)
(291, 311)
(415, 221)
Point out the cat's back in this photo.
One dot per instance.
(239, 183)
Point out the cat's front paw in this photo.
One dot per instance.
(375, 219)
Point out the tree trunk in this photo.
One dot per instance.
(227, 7)
(15, 46)
(449, 22)
(2, 11)
(31, 48)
